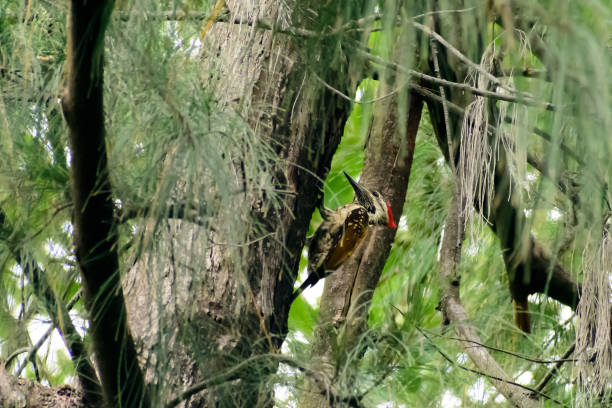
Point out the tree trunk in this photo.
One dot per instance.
(200, 311)
(343, 311)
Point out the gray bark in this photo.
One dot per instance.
(198, 304)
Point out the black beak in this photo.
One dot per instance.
(362, 195)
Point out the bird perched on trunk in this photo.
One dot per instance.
(342, 230)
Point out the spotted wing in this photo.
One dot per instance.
(325, 238)
(354, 230)
(334, 241)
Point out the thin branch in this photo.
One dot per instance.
(504, 380)
(57, 210)
(376, 383)
(17, 352)
(549, 375)
(523, 100)
(34, 349)
(511, 353)
(355, 101)
(454, 313)
(461, 57)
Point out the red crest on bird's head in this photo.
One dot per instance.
(391, 223)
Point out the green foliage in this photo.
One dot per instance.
(171, 139)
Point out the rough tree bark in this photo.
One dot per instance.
(343, 310)
(239, 313)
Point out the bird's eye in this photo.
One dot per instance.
(376, 194)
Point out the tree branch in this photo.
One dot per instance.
(510, 353)
(534, 391)
(81, 369)
(454, 313)
(57, 311)
(520, 98)
(95, 233)
(549, 375)
(462, 57)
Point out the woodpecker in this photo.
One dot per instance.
(342, 230)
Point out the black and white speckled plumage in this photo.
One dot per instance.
(342, 230)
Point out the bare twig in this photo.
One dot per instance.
(500, 379)
(511, 353)
(34, 349)
(460, 55)
(549, 375)
(524, 100)
(348, 98)
(17, 352)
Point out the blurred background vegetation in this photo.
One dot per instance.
(159, 94)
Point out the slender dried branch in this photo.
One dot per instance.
(508, 352)
(494, 80)
(520, 99)
(549, 375)
(500, 379)
(355, 101)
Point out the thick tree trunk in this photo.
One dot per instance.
(237, 309)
